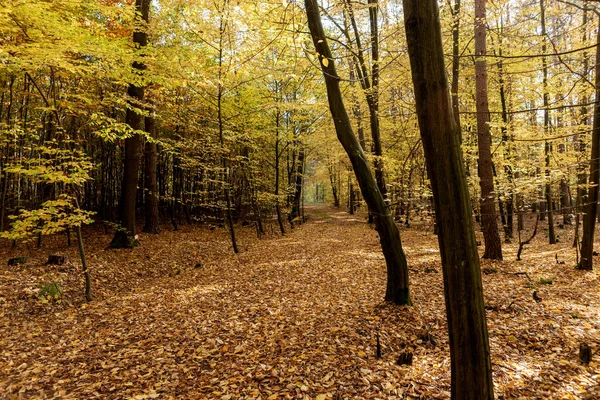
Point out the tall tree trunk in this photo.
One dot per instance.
(581, 175)
(277, 207)
(471, 370)
(295, 213)
(547, 145)
(373, 98)
(224, 163)
(397, 289)
(126, 237)
(152, 223)
(455, 60)
(508, 225)
(333, 181)
(591, 200)
(493, 246)
(370, 86)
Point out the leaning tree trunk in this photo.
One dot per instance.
(125, 237)
(493, 246)
(397, 269)
(471, 368)
(591, 208)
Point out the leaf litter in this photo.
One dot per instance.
(292, 317)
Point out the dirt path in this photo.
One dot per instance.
(289, 317)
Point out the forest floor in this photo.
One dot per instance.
(296, 316)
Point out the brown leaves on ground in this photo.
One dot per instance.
(289, 317)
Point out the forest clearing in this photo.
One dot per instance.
(288, 317)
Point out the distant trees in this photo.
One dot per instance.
(228, 110)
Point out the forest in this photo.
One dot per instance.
(318, 199)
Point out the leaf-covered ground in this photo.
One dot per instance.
(288, 317)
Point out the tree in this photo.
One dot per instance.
(469, 348)
(397, 269)
(152, 223)
(125, 237)
(591, 200)
(493, 246)
(547, 145)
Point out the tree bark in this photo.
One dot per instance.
(471, 368)
(591, 200)
(493, 246)
(397, 289)
(126, 237)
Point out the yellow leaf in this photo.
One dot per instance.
(325, 62)
(180, 353)
(321, 397)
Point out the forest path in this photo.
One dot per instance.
(288, 317)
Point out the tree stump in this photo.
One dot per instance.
(405, 358)
(17, 260)
(585, 353)
(55, 259)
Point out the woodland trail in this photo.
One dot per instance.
(288, 317)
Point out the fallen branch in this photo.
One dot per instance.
(522, 244)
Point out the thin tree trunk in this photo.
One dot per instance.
(508, 225)
(471, 370)
(84, 268)
(152, 223)
(397, 289)
(493, 246)
(277, 207)
(295, 213)
(455, 60)
(547, 146)
(226, 183)
(581, 175)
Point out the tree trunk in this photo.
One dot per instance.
(373, 98)
(591, 200)
(581, 175)
(295, 213)
(471, 370)
(493, 246)
(547, 146)
(277, 207)
(508, 226)
(125, 237)
(455, 60)
(397, 269)
(224, 163)
(152, 224)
